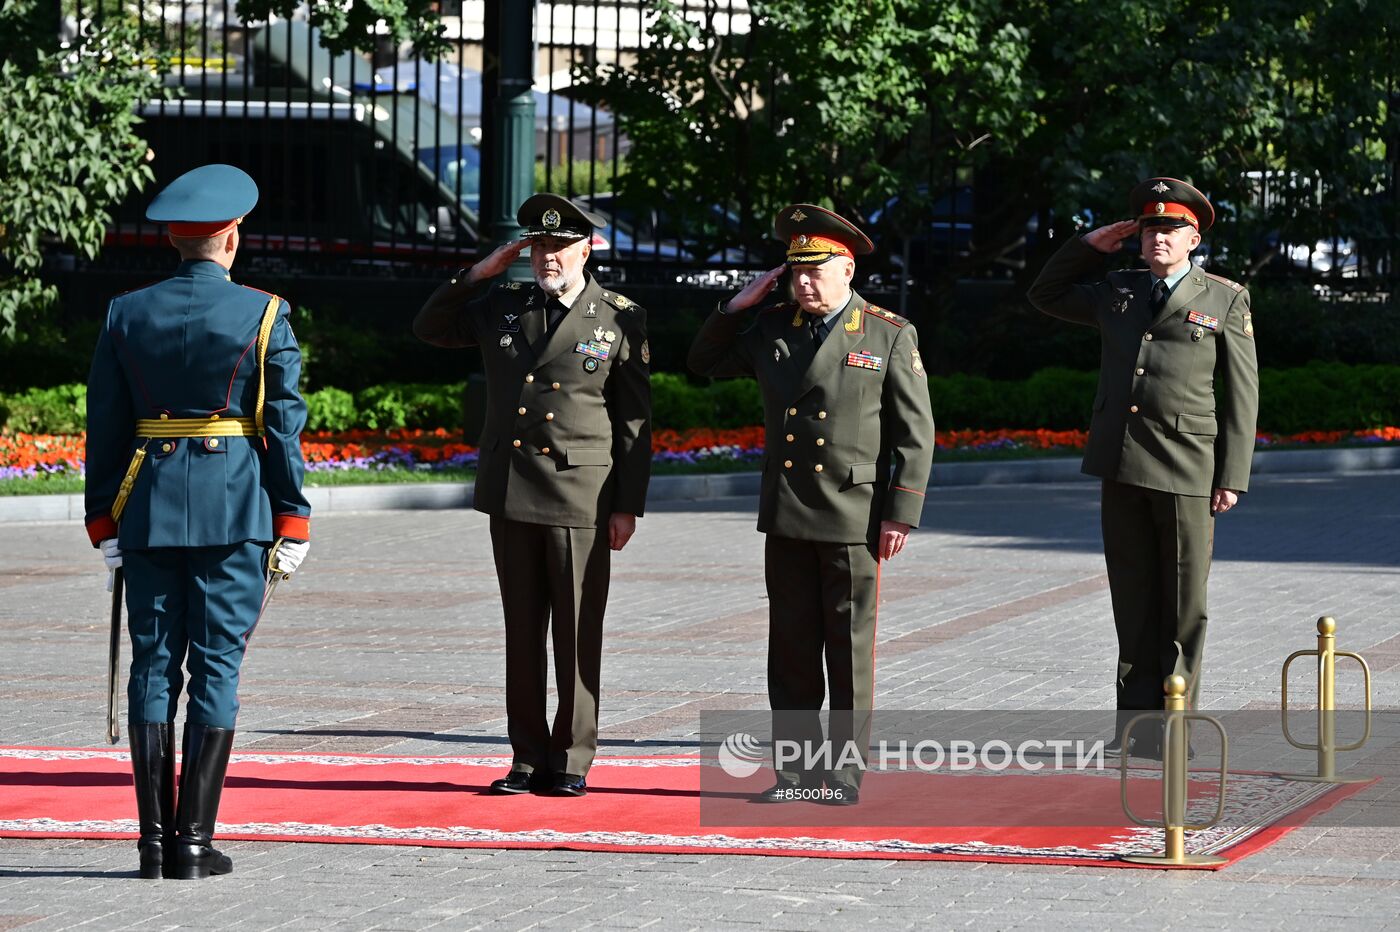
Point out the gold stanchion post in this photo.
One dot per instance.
(1326, 746)
(1174, 782)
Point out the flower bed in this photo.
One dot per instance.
(24, 456)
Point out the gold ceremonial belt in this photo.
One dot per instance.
(198, 427)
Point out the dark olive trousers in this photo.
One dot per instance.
(1158, 547)
(822, 601)
(553, 580)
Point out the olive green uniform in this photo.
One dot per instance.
(1174, 419)
(566, 444)
(849, 441)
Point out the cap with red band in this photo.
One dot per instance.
(815, 234)
(1170, 202)
(205, 202)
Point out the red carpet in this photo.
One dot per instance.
(636, 804)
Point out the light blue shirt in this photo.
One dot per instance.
(1173, 278)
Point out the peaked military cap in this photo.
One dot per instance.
(552, 215)
(207, 201)
(815, 234)
(1171, 202)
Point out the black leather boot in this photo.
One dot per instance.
(153, 766)
(201, 782)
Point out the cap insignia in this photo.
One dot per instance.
(1161, 187)
(802, 240)
(797, 215)
(1161, 208)
(550, 220)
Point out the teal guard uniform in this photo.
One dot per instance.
(194, 466)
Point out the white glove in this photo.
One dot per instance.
(112, 556)
(287, 556)
(111, 553)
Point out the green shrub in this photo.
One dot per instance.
(1328, 396)
(395, 405)
(735, 403)
(330, 409)
(677, 404)
(58, 410)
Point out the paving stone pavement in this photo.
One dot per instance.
(389, 641)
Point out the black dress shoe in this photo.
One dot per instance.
(841, 794)
(569, 784)
(783, 792)
(517, 781)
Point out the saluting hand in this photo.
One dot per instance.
(756, 290)
(1109, 239)
(893, 536)
(496, 263)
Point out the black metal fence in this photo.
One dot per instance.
(370, 164)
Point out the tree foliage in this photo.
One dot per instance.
(1047, 107)
(354, 25)
(69, 150)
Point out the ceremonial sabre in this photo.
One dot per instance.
(274, 576)
(114, 650)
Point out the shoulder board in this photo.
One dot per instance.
(874, 310)
(508, 286)
(260, 291)
(620, 302)
(123, 294)
(1225, 281)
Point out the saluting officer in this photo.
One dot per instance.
(194, 472)
(565, 458)
(849, 440)
(1172, 434)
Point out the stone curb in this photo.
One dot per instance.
(437, 495)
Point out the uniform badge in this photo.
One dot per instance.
(1197, 334)
(590, 364)
(506, 341)
(918, 364)
(529, 302)
(1202, 320)
(777, 355)
(550, 220)
(609, 335)
(646, 351)
(509, 323)
(598, 333)
(1249, 325)
(865, 360)
(622, 302)
(592, 309)
(593, 349)
(797, 318)
(1125, 295)
(511, 286)
(1161, 187)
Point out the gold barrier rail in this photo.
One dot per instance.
(1174, 781)
(1326, 746)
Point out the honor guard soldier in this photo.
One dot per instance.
(565, 458)
(849, 440)
(194, 476)
(1172, 433)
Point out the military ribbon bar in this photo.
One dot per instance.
(865, 360)
(1202, 320)
(593, 348)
